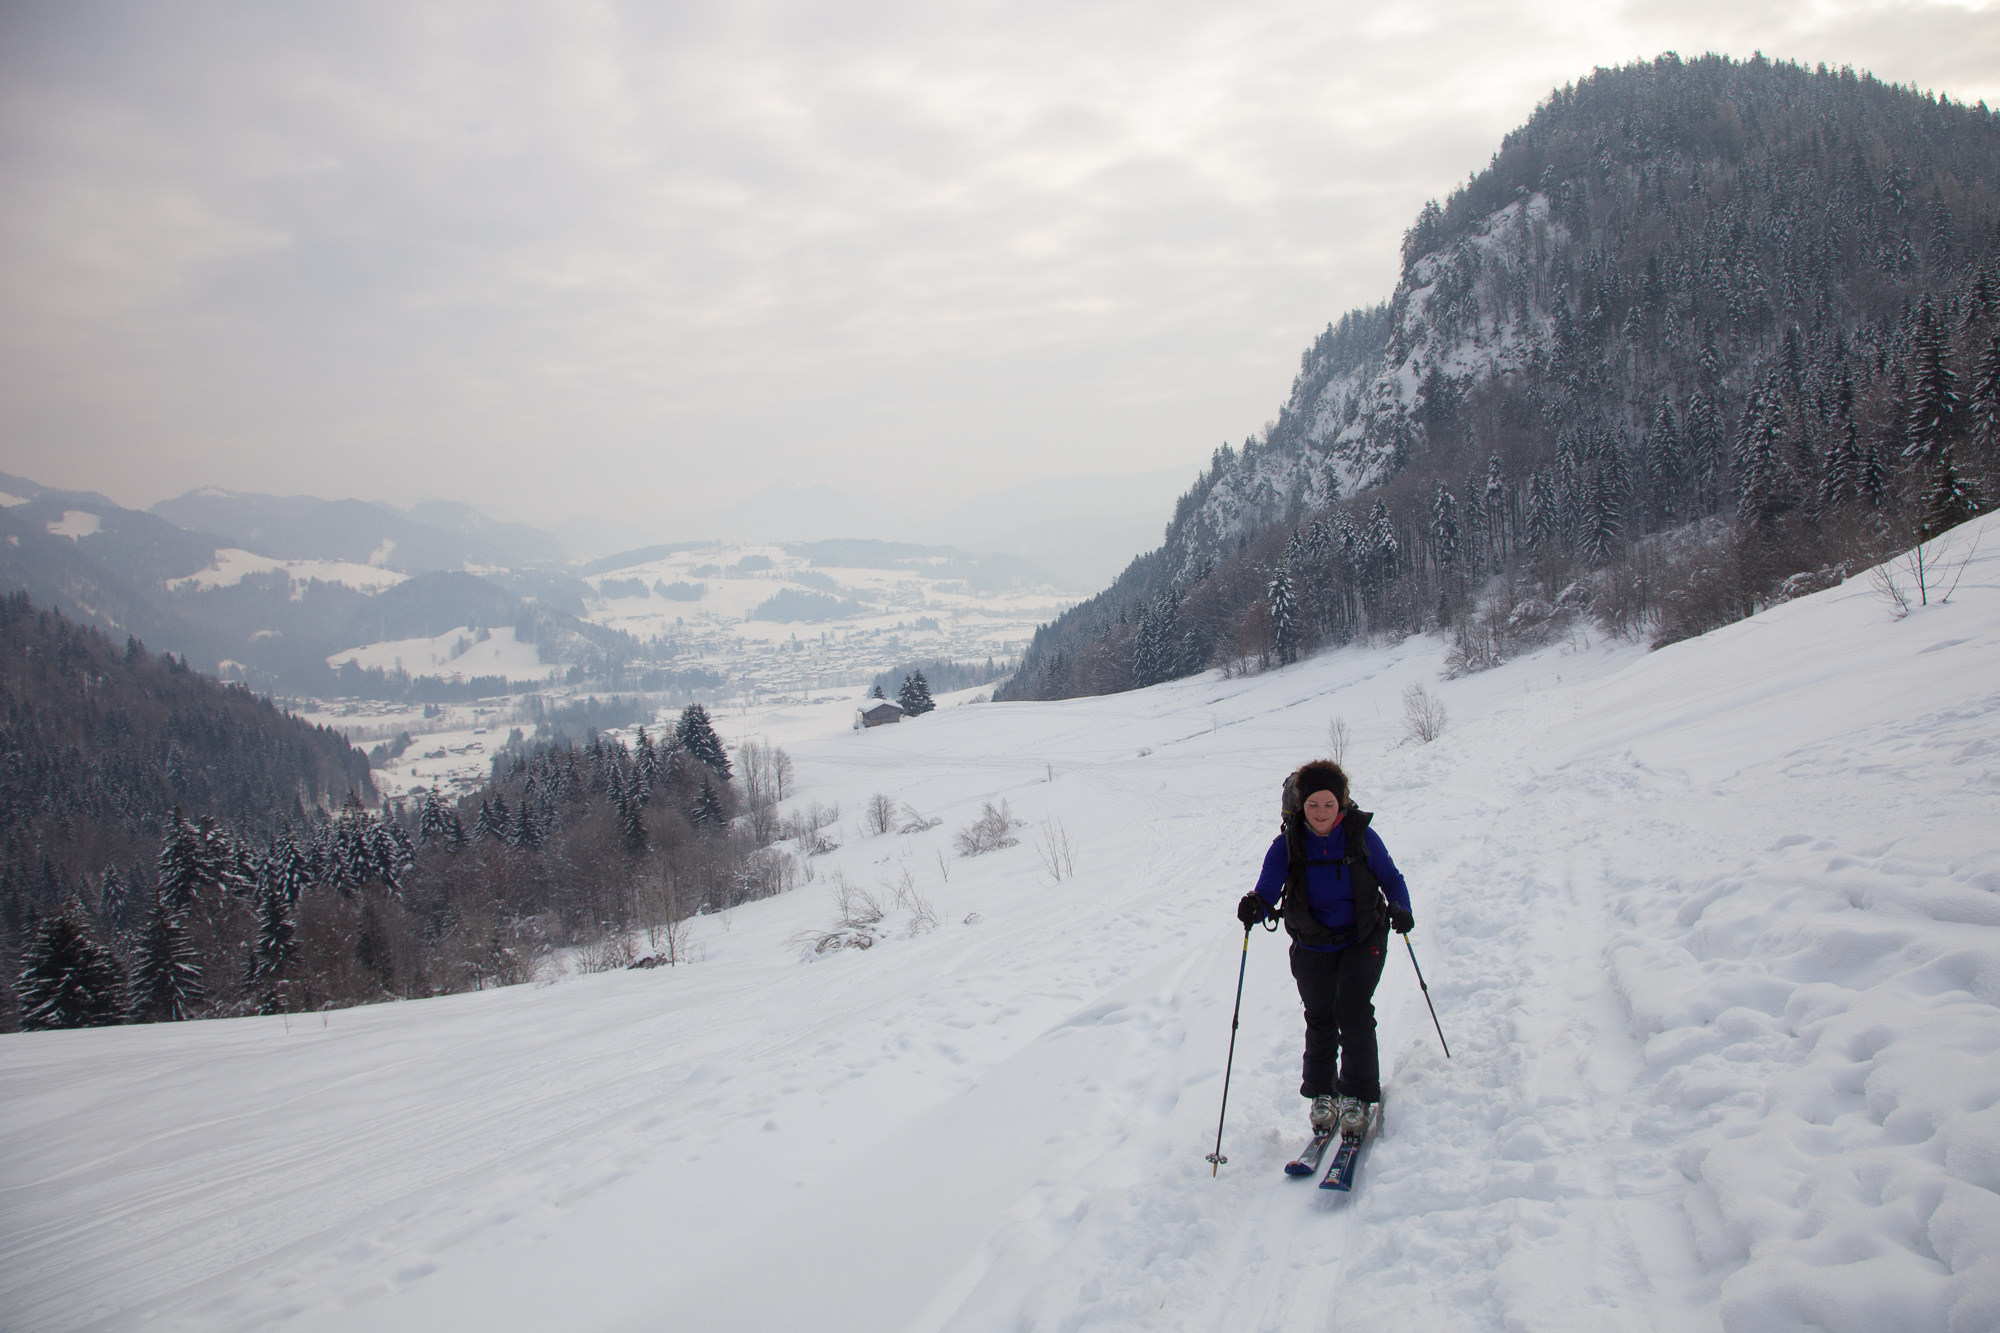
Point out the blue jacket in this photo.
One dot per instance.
(1330, 889)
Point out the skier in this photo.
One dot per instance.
(1337, 871)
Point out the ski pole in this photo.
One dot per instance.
(1216, 1159)
(1427, 1001)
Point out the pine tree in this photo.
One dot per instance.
(1760, 492)
(1541, 518)
(907, 696)
(1936, 406)
(1284, 617)
(276, 948)
(1146, 649)
(1985, 401)
(1444, 532)
(111, 903)
(1703, 432)
(631, 823)
(1951, 499)
(1383, 548)
(167, 987)
(289, 867)
(697, 735)
(69, 980)
(646, 761)
(920, 695)
(708, 812)
(1665, 464)
(180, 871)
(1841, 480)
(430, 819)
(489, 827)
(522, 835)
(1605, 521)
(454, 833)
(394, 855)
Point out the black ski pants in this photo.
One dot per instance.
(1338, 991)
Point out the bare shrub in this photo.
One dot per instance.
(1337, 737)
(667, 914)
(610, 952)
(763, 770)
(1929, 571)
(914, 822)
(1706, 588)
(880, 813)
(801, 825)
(858, 914)
(767, 873)
(910, 899)
(990, 832)
(1423, 714)
(855, 905)
(1052, 843)
(1474, 647)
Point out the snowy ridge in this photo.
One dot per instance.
(1714, 932)
(1347, 425)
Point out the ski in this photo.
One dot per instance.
(1307, 1162)
(1340, 1176)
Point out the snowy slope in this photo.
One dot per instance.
(1714, 932)
(455, 654)
(233, 565)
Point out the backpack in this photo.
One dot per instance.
(1371, 909)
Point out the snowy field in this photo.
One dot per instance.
(916, 610)
(232, 566)
(1714, 933)
(456, 654)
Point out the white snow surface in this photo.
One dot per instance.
(232, 565)
(76, 524)
(1714, 933)
(455, 654)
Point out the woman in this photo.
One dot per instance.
(1332, 873)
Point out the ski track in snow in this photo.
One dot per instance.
(1714, 934)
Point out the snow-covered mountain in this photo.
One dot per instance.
(1711, 930)
(1694, 315)
(435, 535)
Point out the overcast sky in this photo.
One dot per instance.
(643, 260)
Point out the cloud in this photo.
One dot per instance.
(645, 259)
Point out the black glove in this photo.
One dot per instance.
(1252, 909)
(1400, 919)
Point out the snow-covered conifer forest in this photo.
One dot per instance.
(1704, 333)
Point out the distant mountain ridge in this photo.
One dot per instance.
(435, 535)
(124, 571)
